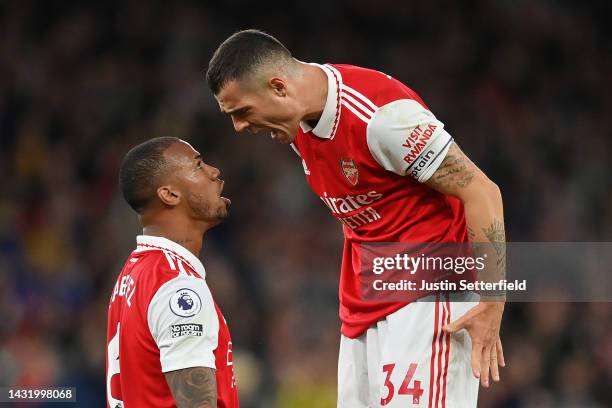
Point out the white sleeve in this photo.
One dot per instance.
(184, 324)
(406, 138)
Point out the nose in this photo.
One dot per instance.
(214, 172)
(239, 125)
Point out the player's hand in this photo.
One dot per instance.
(482, 323)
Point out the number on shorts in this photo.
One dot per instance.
(405, 389)
(416, 391)
(388, 368)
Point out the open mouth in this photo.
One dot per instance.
(226, 200)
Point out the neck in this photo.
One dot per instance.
(314, 92)
(187, 233)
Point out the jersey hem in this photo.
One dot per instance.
(354, 331)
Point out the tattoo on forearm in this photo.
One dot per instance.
(193, 387)
(496, 234)
(471, 234)
(456, 169)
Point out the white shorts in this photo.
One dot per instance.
(405, 360)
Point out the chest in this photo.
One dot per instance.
(342, 166)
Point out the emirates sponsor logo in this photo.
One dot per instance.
(349, 203)
(349, 169)
(416, 141)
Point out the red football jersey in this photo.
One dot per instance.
(161, 318)
(367, 158)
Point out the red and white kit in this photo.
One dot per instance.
(162, 317)
(374, 146)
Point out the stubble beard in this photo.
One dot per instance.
(204, 211)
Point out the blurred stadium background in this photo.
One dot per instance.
(524, 86)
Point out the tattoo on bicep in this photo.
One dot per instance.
(193, 387)
(456, 169)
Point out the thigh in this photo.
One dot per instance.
(420, 365)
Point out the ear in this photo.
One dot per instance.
(278, 86)
(169, 195)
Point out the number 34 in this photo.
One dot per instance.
(416, 391)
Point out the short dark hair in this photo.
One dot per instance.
(141, 169)
(240, 54)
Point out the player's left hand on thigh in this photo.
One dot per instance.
(482, 323)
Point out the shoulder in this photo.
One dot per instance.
(406, 138)
(183, 322)
(164, 272)
(154, 267)
(182, 299)
(404, 113)
(185, 294)
(151, 270)
(353, 73)
(378, 87)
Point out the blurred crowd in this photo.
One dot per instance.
(523, 87)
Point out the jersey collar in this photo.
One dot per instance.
(328, 123)
(150, 242)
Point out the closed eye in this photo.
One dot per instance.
(241, 112)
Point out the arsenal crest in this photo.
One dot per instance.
(349, 169)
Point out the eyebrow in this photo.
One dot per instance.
(229, 112)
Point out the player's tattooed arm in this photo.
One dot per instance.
(193, 387)
(458, 176)
(456, 171)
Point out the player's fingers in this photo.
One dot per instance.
(494, 364)
(485, 365)
(500, 353)
(476, 359)
(457, 325)
(464, 321)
